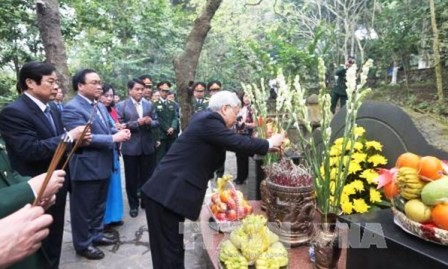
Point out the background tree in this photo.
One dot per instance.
(186, 63)
(50, 30)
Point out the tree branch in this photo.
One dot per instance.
(253, 4)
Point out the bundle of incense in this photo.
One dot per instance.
(58, 154)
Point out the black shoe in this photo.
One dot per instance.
(133, 212)
(115, 223)
(111, 235)
(105, 241)
(91, 253)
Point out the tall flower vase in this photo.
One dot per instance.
(326, 243)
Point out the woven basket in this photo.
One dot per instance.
(426, 232)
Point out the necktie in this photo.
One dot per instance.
(47, 113)
(138, 107)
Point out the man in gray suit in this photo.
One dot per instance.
(91, 166)
(139, 156)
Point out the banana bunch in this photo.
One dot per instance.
(231, 257)
(409, 183)
(222, 181)
(274, 258)
(238, 236)
(254, 247)
(254, 224)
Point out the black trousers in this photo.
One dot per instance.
(242, 167)
(52, 245)
(165, 145)
(335, 97)
(138, 169)
(87, 207)
(166, 238)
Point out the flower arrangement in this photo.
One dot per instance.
(359, 193)
(329, 179)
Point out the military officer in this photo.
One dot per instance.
(168, 120)
(199, 101)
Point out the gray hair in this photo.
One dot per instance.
(223, 98)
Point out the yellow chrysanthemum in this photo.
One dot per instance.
(359, 157)
(349, 189)
(358, 146)
(344, 196)
(339, 141)
(370, 176)
(354, 168)
(377, 159)
(347, 207)
(375, 196)
(360, 206)
(374, 144)
(358, 185)
(359, 131)
(335, 150)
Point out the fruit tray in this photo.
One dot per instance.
(427, 232)
(222, 226)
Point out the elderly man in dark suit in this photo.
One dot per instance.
(139, 152)
(32, 131)
(177, 188)
(91, 166)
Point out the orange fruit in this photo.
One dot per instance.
(430, 168)
(408, 159)
(391, 190)
(439, 215)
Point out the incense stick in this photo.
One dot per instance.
(60, 150)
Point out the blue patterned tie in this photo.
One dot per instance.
(47, 113)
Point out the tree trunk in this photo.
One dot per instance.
(185, 64)
(436, 48)
(49, 24)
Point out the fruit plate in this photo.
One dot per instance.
(427, 232)
(223, 266)
(222, 226)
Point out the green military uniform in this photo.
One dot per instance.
(340, 89)
(15, 193)
(167, 117)
(200, 104)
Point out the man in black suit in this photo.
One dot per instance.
(32, 131)
(177, 188)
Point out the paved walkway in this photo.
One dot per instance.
(133, 249)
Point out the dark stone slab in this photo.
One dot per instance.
(402, 250)
(392, 127)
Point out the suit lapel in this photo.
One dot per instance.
(38, 112)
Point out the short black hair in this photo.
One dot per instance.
(163, 82)
(134, 81)
(143, 77)
(217, 82)
(34, 71)
(80, 77)
(199, 83)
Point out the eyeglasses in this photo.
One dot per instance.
(215, 89)
(95, 83)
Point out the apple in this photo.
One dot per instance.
(231, 214)
(222, 207)
(220, 216)
(231, 204)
